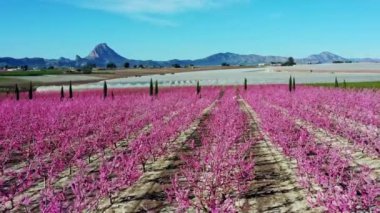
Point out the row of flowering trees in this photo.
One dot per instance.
(127, 165)
(354, 115)
(73, 156)
(324, 170)
(219, 168)
(41, 139)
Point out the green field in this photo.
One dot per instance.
(8, 84)
(358, 85)
(11, 81)
(4, 80)
(32, 73)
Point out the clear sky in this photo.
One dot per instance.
(189, 29)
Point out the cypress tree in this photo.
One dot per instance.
(336, 82)
(70, 90)
(344, 84)
(290, 84)
(17, 91)
(198, 88)
(156, 88)
(30, 91)
(151, 87)
(105, 90)
(62, 93)
(245, 84)
(294, 84)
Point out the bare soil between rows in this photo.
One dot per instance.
(274, 188)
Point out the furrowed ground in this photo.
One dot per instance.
(227, 149)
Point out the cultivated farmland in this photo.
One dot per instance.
(225, 149)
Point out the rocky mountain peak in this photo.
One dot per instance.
(325, 57)
(102, 52)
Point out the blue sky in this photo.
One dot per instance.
(189, 29)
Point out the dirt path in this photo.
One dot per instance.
(62, 180)
(275, 187)
(346, 147)
(359, 158)
(148, 194)
(353, 121)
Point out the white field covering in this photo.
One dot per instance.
(57, 78)
(270, 75)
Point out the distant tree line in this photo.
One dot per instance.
(24, 68)
(289, 62)
(342, 62)
(111, 65)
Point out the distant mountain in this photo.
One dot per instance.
(236, 59)
(33, 62)
(323, 57)
(103, 54)
(372, 60)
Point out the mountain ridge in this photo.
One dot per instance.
(102, 54)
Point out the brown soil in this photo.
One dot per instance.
(275, 187)
(148, 194)
(346, 147)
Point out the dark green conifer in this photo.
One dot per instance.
(105, 90)
(151, 87)
(156, 88)
(198, 88)
(294, 84)
(30, 91)
(62, 93)
(70, 90)
(17, 91)
(336, 82)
